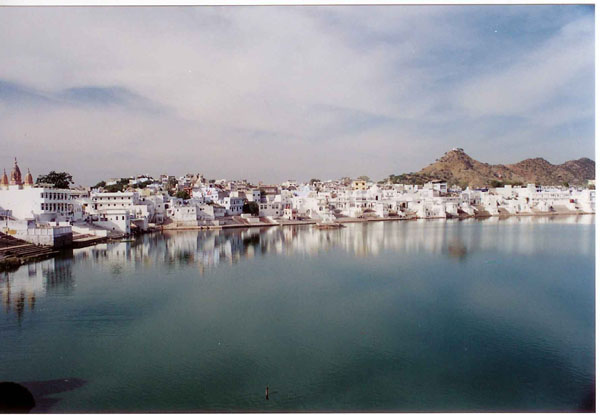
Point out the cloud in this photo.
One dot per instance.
(13, 95)
(536, 78)
(291, 92)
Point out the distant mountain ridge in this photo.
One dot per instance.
(457, 167)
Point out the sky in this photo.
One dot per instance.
(292, 92)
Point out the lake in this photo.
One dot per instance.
(472, 315)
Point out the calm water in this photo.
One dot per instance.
(493, 315)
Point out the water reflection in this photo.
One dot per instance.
(456, 239)
(204, 250)
(493, 315)
(20, 289)
(457, 249)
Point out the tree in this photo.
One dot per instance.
(364, 178)
(250, 207)
(182, 194)
(410, 178)
(496, 183)
(99, 184)
(113, 188)
(566, 184)
(141, 185)
(463, 184)
(313, 181)
(61, 180)
(345, 181)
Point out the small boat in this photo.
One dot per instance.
(329, 225)
(328, 222)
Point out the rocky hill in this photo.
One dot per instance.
(457, 167)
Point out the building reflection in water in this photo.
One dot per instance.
(21, 289)
(208, 249)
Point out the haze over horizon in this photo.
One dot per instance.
(280, 92)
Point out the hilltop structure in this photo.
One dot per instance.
(458, 168)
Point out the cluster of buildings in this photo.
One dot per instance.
(42, 214)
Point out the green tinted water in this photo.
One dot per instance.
(494, 315)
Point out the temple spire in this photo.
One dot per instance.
(15, 175)
(4, 180)
(28, 179)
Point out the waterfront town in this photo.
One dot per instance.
(44, 215)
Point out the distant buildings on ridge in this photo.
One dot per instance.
(42, 214)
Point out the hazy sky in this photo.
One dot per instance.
(284, 92)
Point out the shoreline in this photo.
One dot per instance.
(364, 220)
(14, 262)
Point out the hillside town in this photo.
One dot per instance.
(43, 214)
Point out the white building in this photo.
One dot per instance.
(23, 200)
(117, 220)
(233, 205)
(114, 200)
(184, 213)
(109, 207)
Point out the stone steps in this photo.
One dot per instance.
(20, 249)
(6, 248)
(239, 221)
(29, 250)
(81, 236)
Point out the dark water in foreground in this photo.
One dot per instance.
(404, 316)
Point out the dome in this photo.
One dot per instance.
(15, 174)
(4, 180)
(198, 182)
(28, 178)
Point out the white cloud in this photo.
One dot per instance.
(273, 92)
(535, 78)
